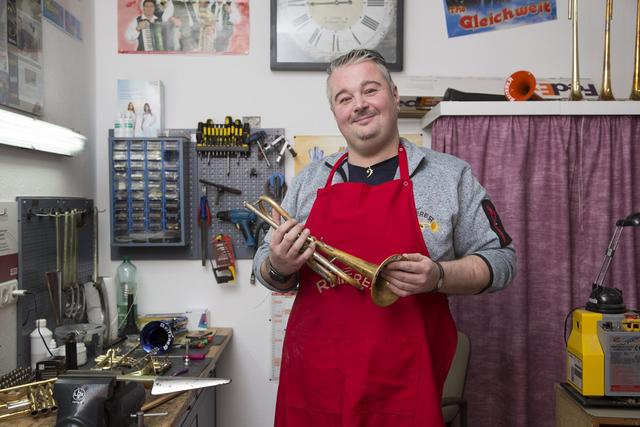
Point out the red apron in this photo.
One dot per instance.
(346, 361)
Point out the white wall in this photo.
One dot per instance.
(202, 87)
(69, 100)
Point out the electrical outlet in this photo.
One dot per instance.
(6, 289)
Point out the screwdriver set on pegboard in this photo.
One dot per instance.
(235, 164)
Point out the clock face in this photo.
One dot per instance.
(324, 29)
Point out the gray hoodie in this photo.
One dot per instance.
(453, 210)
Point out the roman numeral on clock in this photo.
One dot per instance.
(370, 22)
(356, 38)
(335, 45)
(301, 20)
(315, 37)
(375, 3)
(297, 2)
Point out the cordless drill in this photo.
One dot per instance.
(241, 219)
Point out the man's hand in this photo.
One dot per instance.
(287, 254)
(417, 274)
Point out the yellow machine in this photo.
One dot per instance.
(603, 354)
(603, 350)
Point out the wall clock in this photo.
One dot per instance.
(307, 34)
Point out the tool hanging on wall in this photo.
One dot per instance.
(281, 144)
(224, 260)
(276, 187)
(242, 219)
(262, 228)
(257, 139)
(204, 221)
(223, 140)
(220, 189)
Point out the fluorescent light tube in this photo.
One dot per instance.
(22, 131)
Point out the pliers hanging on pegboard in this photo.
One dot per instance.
(275, 187)
(204, 221)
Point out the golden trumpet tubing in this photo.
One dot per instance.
(575, 94)
(15, 414)
(635, 87)
(605, 91)
(328, 270)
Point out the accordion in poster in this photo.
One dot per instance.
(183, 26)
(465, 17)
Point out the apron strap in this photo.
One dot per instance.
(403, 164)
(335, 168)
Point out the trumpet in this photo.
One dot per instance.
(605, 93)
(380, 293)
(575, 94)
(34, 399)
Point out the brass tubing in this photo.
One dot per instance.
(635, 87)
(576, 93)
(605, 92)
(380, 293)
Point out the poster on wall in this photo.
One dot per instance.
(141, 102)
(466, 17)
(21, 76)
(4, 55)
(21, 55)
(54, 12)
(313, 148)
(213, 27)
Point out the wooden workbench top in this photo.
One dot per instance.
(176, 407)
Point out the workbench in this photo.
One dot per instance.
(570, 413)
(195, 407)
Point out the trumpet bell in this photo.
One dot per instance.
(521, 86)
(381, 295)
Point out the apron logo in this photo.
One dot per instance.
(428, 222)
(324, 285)
(495, 222)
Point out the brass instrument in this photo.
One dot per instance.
(635, 87)
(380, 293)
(34, 399)
(605, 93)
(576, 93)
(521, 86)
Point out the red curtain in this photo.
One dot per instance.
(559, 184)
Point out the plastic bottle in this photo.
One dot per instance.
(127, 287)
(53, 346)
(38, 350)
(118, 132)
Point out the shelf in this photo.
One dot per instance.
(531, 108)
(147, 191)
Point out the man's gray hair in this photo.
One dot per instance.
(357, 56)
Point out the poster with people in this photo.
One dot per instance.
(140, 108)
(466, 17)
(183, 26)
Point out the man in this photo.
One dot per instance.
(143, 24)
(187, 25)
(346, 361)
(226, 16)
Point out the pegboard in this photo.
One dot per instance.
(37, 251)
(240, 177)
